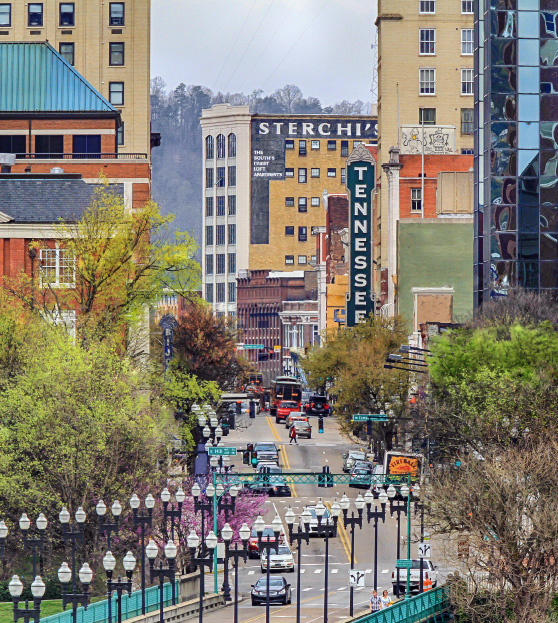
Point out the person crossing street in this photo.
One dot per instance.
(292, 435)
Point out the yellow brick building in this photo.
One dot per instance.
(107, 42)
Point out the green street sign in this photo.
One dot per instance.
(221, 451)
(253, 347)
(404, 563)
(369, 417)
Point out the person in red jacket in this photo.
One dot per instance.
(292, 435)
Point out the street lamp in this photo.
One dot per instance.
(419, 506)
(236, 554)
(172, 513)
(109, 563)
(376, 515)
(352, 521)
(35, 544)
(162, 572)
(37, 590)
(73, 535)
(324, 529)
(142, 521)
(65, 575)
(106, 528)
(228, 508)
(276, 526)
(3, 535)
(193, 542)
(298, 536)
(399, 507)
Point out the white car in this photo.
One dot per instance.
(429, 572)
(281, 561)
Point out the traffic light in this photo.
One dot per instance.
(325, 479)
(320, 424)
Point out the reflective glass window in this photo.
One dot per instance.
(503, 246)
(503, 24)
(503, 276)
(528, 52)
(503, 4)
(549, 107)
(549, 53)
(549, 247)
(528, 248)
(549, 80)
(548, 218)
(549, 190)
(528, 24)
(503, 218)
(528, 80)
(548, 274)
(503, 190)
(504, 52)
(503, 107)
(528, 135)
(528, 274)
(549, 24)
(503, 135)
(528, 107)
(548, 163)
(504, 80)
(549, 135)
(528, 5)
(528, 219)
(527, 159)
(503, 162)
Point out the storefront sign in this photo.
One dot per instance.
(361, 172)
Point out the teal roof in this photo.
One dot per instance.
(35, 78)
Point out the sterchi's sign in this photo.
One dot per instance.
(361, 177)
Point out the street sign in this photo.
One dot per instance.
(356, 578)
(369, 417)
(424, 550)
(404, 563)
(253, 347)
(217, 451)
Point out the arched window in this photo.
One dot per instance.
(221, 146)
(232, 145)
(209, 147)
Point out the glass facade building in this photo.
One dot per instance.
(516, 146)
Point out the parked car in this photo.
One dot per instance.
(285, 408)
(318, 405)
(361, 475)
(295, 416)
(303, 429)
(313, 525)
(429, 572)
(253, 546)
(278, 561)
(350, 457)
(279, 590)
(265, 451)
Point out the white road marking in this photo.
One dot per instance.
(334, 570)
(317, 570)
(303, 571)
(251, 572)
(385, 571)
(368, 571)
(306, 589)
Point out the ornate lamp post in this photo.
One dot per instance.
(162, 572)
(37, 590)
(106, 528)
(3, 535)
(236, 554)
(276, 525)
(142, 521)
(66, 576)
(419, 507)
(109, 563)
(298, 536)
(397, 507)
(324, 529)
(376, 515)
(193, 541)
(352, 521)
(35, 544)
(73, 535)
(172, 513)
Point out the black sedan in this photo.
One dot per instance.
(279, 590)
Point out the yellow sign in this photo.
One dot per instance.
(403, 465)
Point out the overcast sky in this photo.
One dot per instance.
(323, 46)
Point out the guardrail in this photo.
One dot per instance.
(431, 604)
(131, 607)
(78, 156)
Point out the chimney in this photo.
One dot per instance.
(57, 170)
(7, 161)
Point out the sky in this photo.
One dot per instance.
(322, 46)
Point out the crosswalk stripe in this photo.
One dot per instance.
(317, 570)
(334, 570)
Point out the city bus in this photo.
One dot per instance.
(285, 388)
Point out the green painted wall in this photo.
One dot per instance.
(435, 254)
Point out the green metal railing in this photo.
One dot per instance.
(432, 604)
(131, 607)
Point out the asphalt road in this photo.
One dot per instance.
(312, 455)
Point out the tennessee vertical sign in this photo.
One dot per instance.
(360, 185)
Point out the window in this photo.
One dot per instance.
(57, 268)
(49, 146)
(232, 263)
(116, 93)
(302, 147)
(209, 145)
(86, 144)
(209, 264)
(67, 14)
(232, 234)
(220, 293)
(116, 14)
(209, 178)
(289, 230)
(289, 259)
(427, 6)
(467, 41)
(289, 172)
(428, 115)
(289, 202)
(209, 292)
(208, 235)
(67, 52)
(116, 54)
(427, 41)
(467, 6)
(314, 172)
(232, 292)
(289, 144)
(232, 176)
(35, 14)
(427, 82)
(315, 144)
(302, 176)
(332, 145)
(302, 259)
(302, 204)
(312, 259)
(232, 145)
(466, 82)
(120, 134)
(221, 146)
(12, 144)
(466, 121)
(416, 199)
(303, 234)
(232, 205)
(332, 172)
(220, 237)
(209, 206)
(343, 176)
(5, 15)
(220, 181)
(221, 205)
(220, 264)
(344, 148)
(467, 152)
(315, 202)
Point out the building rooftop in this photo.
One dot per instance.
(35, 78)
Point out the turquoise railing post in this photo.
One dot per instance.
(408, 591)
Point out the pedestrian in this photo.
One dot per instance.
(375, 602)
(292, 435)
(386, 601)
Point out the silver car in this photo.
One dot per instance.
(281, 561)
(313, 525)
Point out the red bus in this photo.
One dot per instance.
(285, 388)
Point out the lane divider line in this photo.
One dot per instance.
(343, 535)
